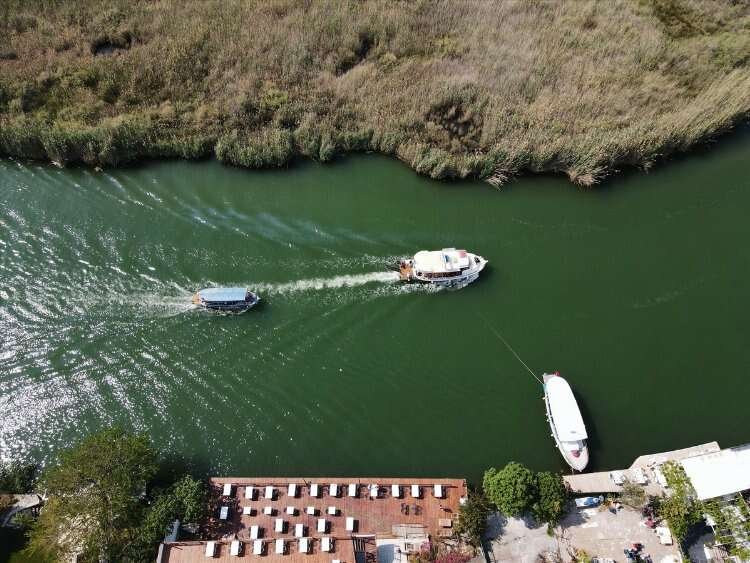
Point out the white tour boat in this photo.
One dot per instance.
(447, 267)
(230, 299)
(565, 421)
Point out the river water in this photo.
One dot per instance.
(637, 292)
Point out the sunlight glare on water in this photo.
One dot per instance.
(636, 292)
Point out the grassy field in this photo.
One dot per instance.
(454, 88)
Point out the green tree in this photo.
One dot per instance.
(186, 500)
(17, 477)
(551, 500)
(513, 488)
(94, 497)
(472, 519)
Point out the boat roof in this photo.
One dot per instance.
(212, 294)
(564, 409)
(445, 260)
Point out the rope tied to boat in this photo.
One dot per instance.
(509, 347)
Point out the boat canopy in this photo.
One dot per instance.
(439, 261)
(223, 294)
(564, 410)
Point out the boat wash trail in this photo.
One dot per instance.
(636, 292)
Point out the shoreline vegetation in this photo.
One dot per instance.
(487, 90)
(112, 497)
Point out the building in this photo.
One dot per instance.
(721, 481)
(322, 520)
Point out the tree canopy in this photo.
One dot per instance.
(186, 500)
(516, 490)
(94, 494)
(513, 488)
(17, 476)
(472, 519)
(551, 498)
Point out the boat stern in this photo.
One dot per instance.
(406, 270)
(578, 458)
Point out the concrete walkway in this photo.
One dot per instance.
(23, 502)
(599, 532)
(596, 483)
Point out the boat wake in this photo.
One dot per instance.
(317, 284)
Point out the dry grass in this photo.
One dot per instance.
(470, 88)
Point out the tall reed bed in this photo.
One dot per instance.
(455, 89)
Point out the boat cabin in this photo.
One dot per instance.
(225, 298)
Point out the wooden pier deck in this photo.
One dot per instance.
(382, 517)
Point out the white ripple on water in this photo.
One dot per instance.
(336, 282)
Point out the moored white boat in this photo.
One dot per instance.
(230, 299)
(446, 268)
(566, 422)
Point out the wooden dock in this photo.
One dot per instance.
(386, 516)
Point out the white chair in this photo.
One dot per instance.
(664, 535)
(235, 547)
(224, 513)
(352, 489)
(250, 493)
(438, 491)
(299, 530)
(416, 491)
(304, 545)
(211, 549)
(292, 490)
(311, 510)
(322, 525)
(247, 510)
(279, 525)
(314, 490)
(258, 547)
(269, 492)
(617, 477)
(254, 532)
(332, 511)
(280, 546)
(268, 511)
(327, 544)
(396, 491)
(350, 522)
(639, 476)
(291, 510)
(227, 492)
(334, 489)
(374, 491)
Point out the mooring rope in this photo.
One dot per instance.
(510, 348)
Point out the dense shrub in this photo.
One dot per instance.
(513, 488)
(551, 498)
(472, 519)
(270, 147)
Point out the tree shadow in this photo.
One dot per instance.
(495, 524)
(573, 517)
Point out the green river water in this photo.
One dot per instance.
(637, 292)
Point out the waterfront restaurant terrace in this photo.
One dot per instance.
(322, 519)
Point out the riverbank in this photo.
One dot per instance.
(454, 90)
